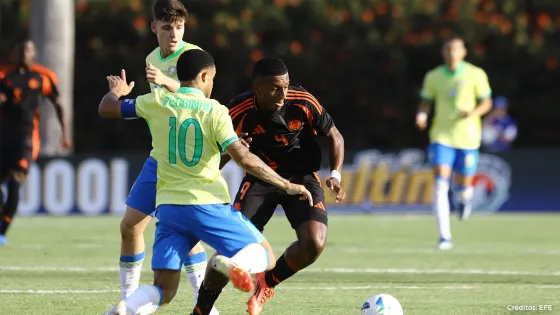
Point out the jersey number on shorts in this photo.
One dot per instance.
(182, 142)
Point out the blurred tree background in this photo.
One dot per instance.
(363, 59)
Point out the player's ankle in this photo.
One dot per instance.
(206, 299)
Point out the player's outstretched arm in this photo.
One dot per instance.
(110, 106)
(256, 167)
(336, 157)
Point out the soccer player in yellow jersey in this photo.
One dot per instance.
(169, 17)
(189, 131)
(461, 94)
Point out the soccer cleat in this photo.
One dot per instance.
(214, 311)
(3, 240)
(261, 294)
(240, 278)
(444, 244)
(465, 211)
(118, 309)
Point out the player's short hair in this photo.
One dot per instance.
(192, 62)
(267, 67)
(169, 11)
(452, 38)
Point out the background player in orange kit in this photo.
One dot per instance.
(20, 92)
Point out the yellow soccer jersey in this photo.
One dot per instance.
(168, 65)
(188, 133)
(453, 92)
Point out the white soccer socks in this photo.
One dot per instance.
(195, 266)
(130, 269)
(146, 300)
(465, 196)
(253, 258)
(441, 208)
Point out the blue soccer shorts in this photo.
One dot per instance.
(143, 192)
(462, 161)
(180, 227)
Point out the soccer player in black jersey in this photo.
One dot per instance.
(20, 93)
(282, 121)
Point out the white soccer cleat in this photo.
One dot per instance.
(240, 278)
(214, 311)
(444, 244)
(118, 309)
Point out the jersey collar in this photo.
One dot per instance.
(450, 73)
(190, 90)
(174, 54)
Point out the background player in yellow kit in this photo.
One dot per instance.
(169, 18)
(461, 94)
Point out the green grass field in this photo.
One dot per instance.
(68, 265)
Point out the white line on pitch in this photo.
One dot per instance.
(287, 288)
(325, 270)
(299, 288)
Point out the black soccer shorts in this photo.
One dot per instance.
(257, 200)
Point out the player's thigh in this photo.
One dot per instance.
(142, 195)
(171, 243)
(225, 229)
(256, 202)
(442, 159)
(465, 166)
(299, 211)
(134, 220)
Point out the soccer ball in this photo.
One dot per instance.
(382, 304)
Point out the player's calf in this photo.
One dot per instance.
(312, 238)
(9, 208)
(149, 298)
(132, 229)
(195, 267)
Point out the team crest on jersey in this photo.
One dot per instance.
(33, 84)
(294, 125)
(470, 159)
(171, 71)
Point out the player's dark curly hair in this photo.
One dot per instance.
(169, 11)
(269, 67)
(192, 62)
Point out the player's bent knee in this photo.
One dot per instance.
(313, 241)
(133, 223)
(442, 171)
(314, 247)
(20, 177)
(463, 180)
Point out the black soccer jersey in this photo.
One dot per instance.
(285, 140)
(19, 113)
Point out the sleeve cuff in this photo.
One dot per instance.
(228, 142)
(426, 98)
(128, 109)
(484, 96)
